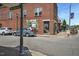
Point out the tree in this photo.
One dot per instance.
(64, 25)
(28, 23)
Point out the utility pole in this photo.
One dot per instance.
(69, 15)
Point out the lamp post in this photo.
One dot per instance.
(21, 30)
(13, 7)
(19, 6)
(0, 11)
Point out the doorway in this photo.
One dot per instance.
(46, 27)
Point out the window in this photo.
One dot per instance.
(38, 11)
(9, 28)
(24, 12)
(10, 14)
(2, 28)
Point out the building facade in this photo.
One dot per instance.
(42, 16)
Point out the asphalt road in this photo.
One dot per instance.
(51, 46)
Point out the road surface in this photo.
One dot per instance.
(51, 46)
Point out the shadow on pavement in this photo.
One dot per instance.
(12, 51)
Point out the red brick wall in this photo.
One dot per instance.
(48, 12)
(52, 18)
(30, 10)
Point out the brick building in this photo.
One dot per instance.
(43, 16)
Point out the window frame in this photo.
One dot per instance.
(38, 10)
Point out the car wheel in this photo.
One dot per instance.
(27, 35)
(14, 34)
(3, 33)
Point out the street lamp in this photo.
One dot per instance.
(0, 7)
(21, 48)
(21, 30)
(19, 6)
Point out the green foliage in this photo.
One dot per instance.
(64, 25)
(64, 22)
(15, 7)
(28, 23)
(76, 26)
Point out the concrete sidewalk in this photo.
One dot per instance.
(59, 35)
(35, 53)
(11, 51)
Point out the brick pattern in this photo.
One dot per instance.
(48, 12)
(52, 16)
(40, 26)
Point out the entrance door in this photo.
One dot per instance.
(46, 26)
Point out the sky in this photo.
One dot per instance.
(63, 12)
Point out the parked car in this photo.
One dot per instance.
(73, 31)
(5, 30)
(26, 32)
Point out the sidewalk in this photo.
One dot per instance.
(61, 34)
(10, 51)
(35, 53)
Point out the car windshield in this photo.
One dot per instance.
(9, 28)
(2, 28)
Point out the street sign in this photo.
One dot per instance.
(71, 15)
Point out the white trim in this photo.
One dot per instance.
(32, 19)
(46, 20)
(42, 19)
